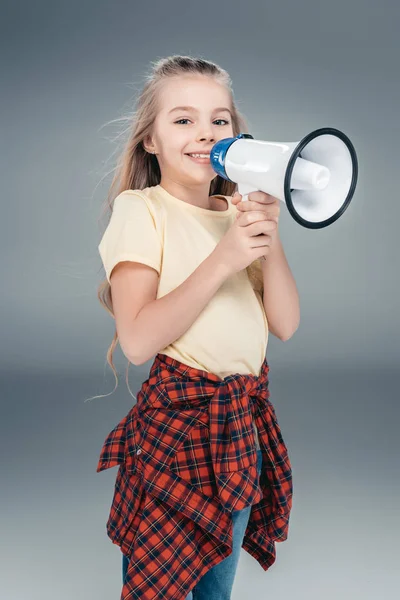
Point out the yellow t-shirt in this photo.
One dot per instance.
(173, 237)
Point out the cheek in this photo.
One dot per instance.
(173, 142)
(178, 136)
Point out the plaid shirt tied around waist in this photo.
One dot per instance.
(187, 458)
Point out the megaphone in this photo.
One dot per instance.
(315, 177)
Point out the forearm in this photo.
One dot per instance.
(165, 319)
(281, 298)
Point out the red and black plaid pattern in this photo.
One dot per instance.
(187, 458)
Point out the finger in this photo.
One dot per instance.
(267, 215)
(262, 197)
(256, 215)
(261, 241)
(246, 218)
(248, 205)
(251, 205)
(262, 227)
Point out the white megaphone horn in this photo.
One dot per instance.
(315, 177)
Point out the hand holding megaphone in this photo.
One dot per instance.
(258, 201)
(265, 207)
(250, 236)
(315, 177)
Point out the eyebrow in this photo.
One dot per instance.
(221, 108)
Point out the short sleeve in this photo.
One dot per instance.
(131, 234)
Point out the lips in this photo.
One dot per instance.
(189, 153)
(200, 161)
(199, 152)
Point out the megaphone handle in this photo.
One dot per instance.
(245, 189)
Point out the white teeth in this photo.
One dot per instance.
(199, 155)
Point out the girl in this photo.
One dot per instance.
(184, 283)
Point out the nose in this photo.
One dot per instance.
(210, 138)
(206, 133)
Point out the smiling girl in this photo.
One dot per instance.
(186, 288)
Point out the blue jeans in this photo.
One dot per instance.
(217, 582)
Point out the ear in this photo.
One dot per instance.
(147, 144)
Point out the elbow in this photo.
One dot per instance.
(141, 352)
(134, 357)
(133, 360)
(285, 338)
(290, 333)
(140, 356)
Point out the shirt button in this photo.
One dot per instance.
(138, 451)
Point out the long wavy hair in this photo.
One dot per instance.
(137, 169)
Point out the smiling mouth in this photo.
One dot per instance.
(204, 159)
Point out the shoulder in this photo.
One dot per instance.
(129, 201)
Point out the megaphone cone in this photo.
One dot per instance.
(315, 177)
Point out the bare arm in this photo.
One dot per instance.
(162, 321)
(281, 298)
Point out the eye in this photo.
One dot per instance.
(224, 120)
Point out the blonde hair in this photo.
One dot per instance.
(137, 169)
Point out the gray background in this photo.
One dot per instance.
(67, 70)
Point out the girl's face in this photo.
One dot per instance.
(179, 131)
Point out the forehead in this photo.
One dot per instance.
(201, 93)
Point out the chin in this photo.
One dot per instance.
(205, 176)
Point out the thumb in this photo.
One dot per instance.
(236, 197)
